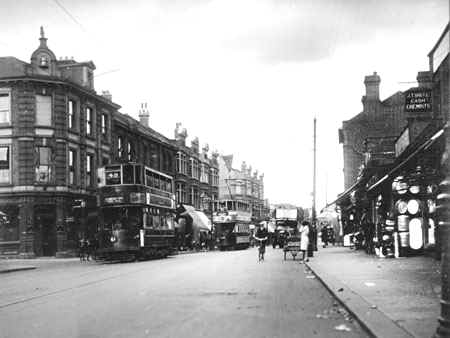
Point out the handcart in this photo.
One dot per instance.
(292, 246)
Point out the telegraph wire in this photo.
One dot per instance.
(70, 15)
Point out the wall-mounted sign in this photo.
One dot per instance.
(402, 142)
(418, 100)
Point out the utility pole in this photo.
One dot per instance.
(313, 211)
(443, 209)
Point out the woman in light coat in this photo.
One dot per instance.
(304, 239)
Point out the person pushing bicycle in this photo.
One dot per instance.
(261, 235)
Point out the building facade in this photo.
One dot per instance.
(197, 173)
(55, 130)
(245, 185)
(394, 200)
(135, 141)
(379, 122)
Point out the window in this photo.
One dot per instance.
(43, 165)
(5, 107)
(89, 170)
(43, 110)
(88, 121)
(43, 61)
(71, 113)
(130, 151)
(4, 164)
(104, 124)
(181, 193)
(181, 165)
(113, 175)
(119, 147)
(72, 164)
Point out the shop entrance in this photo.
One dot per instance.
(45, 220)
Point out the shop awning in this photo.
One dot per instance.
(199, 219)
(345, 193)
(393, 172)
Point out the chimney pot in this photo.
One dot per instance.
(144, 115)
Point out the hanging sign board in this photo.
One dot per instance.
(418, 100)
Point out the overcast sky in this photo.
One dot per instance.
(247, 77)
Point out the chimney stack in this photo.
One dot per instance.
(107, 95)
(144, 115)
(180, 134)
(424, 79)
(195, 145)
(372, 83)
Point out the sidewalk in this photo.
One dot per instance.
(390, 297)
(18, 264)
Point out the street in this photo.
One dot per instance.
(206, 294)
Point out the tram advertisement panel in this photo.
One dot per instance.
(135, 195)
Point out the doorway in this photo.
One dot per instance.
(45, 221)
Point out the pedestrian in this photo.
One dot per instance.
(304, 240)
(324, 235)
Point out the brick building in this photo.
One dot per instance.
(380, 122)
(244, 185)
(54, 132)
(135, 141)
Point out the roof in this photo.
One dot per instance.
(133, 124)
(12, 67)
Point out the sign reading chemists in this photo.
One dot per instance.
(418, 100)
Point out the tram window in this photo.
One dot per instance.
(128, 174)
(148, 178)
(138, 174)
(156, 182)
(112, 177)
(229, 205)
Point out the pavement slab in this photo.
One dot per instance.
(390, 297)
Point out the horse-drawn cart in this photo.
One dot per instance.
(292, 246)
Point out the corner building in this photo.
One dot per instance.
(55, 130)
(244, 185)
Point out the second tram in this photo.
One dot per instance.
(232, 224)
(137, 208)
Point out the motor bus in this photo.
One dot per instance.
(137, 209)
(231, 220)
(285, 225)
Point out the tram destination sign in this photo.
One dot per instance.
(418, 100)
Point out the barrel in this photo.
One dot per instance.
(403, 222)
(401, 206)
(404, 239)
(414, 206)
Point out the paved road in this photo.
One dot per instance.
(214, 294)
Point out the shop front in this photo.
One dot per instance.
(405, 199)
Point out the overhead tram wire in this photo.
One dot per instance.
(107, 72)
(70, 15)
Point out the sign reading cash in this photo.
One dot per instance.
(418, 100)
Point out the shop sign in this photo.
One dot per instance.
(402, 142)
(418, 100)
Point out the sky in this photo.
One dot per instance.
(248, 77)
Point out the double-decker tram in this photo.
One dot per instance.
(232, 224)
(137, 208)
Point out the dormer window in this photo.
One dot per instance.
(43, 61)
